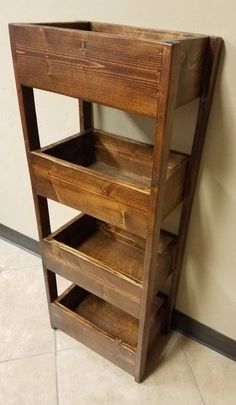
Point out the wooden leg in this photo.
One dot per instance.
(198, 142)
(32, 142)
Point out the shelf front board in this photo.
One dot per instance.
(103, 68)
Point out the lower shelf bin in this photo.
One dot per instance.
(105, 260)
(99, 325)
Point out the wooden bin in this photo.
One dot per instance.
(106, 261)
(112, 176)
(115, 253)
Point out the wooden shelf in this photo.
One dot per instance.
(105, 260)
(116, 253)
(101, 326)
(111, 174)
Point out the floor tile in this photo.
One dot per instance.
(86, 378)
(28, 381)
(13, 257)
(65, 342)
(214, 373)
(24, 319)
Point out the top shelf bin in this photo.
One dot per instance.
(114, 65)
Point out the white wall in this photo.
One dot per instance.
(207, 289)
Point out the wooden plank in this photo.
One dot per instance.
(194, 53)
(31, 141)
(82, 64)
(159, 175)
(141, 33)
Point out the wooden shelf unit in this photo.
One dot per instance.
(114, 253)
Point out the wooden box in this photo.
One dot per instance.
(111, 175)
(106, 261)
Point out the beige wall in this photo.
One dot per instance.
(207, 289)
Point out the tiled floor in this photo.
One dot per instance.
(45, 367)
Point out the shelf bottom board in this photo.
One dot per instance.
(110, 319)
(119, 173)
(114, 253)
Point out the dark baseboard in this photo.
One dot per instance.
(19, 239)
(204, 335)
(181, 322)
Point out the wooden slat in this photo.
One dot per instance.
(118, 72)
(140, 32)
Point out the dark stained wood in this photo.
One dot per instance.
(140, 32)
(85, 115)
(118, 259)
(101, 326)
(94, 64)
(31, 140)
(214, 48)
(113, 184)
(82, 64)
(105, 261)
(159, 174)
(193, 54)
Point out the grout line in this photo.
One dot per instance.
(193, 375)
(25, 357)
(55, 363)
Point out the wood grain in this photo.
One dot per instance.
(101, 326)
(83, 64)
(105, 261)
(116, 254)
(113, 185)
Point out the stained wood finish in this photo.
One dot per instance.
(131, 75)
(193, 54)
(111, 174)
(105, 261)
(31, 141)
(213, 57)
(159, 175)
(113, 308)
(82, 64)
(101, 326)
